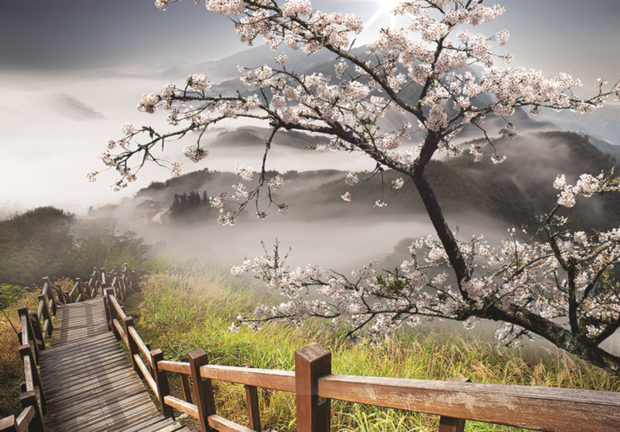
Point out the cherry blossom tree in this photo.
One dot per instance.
(555, 284)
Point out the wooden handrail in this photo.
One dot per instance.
(19, 424)
(265, 378)
(522, 406)
(183, 406)
(119, 310)
(141, 345)
(147, 374)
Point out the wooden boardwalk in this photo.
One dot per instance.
(89, 382)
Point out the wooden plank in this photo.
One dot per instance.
(72, 372)
(109, 383)
(8, 424)
(452, 424)
(225, 425)
(119, 396)
(24, 419)
(107, 415)
(183, 406)
(121, 332)
(146, 374)
(153, 423)
(527, 407)
(141, 345)
(265, 378)
(119, 310)
(173, 366)
(28, 373)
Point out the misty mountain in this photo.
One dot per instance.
(249, 135)
(606, 147)
(515, 191)
(602, 124)
(73, 108)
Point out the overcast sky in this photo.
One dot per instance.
(49, 50)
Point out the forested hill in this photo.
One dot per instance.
(515, 191)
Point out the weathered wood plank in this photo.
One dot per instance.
(528, 407)
(225, 425)
(23, 420)
(265, 378)
(183, 406)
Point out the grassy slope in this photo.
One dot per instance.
(194, 308)
(11, 366)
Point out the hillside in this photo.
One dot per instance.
(515, 191)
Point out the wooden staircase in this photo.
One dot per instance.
(89, 382)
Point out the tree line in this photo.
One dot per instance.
(47, 241)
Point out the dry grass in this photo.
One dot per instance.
(11, 366)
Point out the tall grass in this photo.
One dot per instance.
(11, 366)
(193, 308)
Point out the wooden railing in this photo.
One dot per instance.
(455, 400)
(37, 327)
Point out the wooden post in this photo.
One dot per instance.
(203, 390)
(187, 391)
(49, 291)
(104, 279)
(313, 413)
(134, 279)
(26, 350)
(78, 284)
(126, 278)
(27, 399)
(161, 378)
(132, 346)
(251, 397)
(113, 316)
(451, 424)
(107, 293)
(47, 315)
(27, 330)
(124, 287)
(37, 331)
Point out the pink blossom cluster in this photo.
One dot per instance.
(219, 201)
(246, 173)
(586, 186)
(226, 7)
(351, 179)
(276, 183)
(195, 153)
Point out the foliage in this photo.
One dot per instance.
(190, 207)
(35, 244)
(100, 245)
(420, 72)
(8, 294)
(47, 242)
